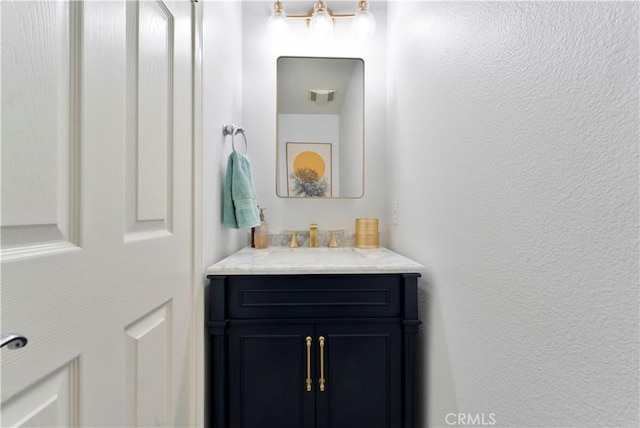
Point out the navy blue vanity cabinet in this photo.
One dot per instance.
(312, 351)
(267, 374)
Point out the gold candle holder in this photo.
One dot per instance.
(366, 233)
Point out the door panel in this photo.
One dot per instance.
(362, 371)
(150, 60)
(96, 212)
(267, 376)
(147, 356)
(53, 401)
(39, 127)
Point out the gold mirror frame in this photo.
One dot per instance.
(338, 149)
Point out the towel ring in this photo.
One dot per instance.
(233, 130)
(233, 142)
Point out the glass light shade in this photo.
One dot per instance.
(277, 25)
(363, 25)
(321, 25)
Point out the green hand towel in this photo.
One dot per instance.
(240, 208)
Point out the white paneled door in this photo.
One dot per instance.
(96, 212)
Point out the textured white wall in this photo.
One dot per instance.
(221, 104)
(513, 153)
(259, 55)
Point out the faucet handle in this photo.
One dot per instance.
(332, 242)
(294, 240)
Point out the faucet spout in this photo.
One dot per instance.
(313, 235)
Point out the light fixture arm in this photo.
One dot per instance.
(319, 5)
(278, 7)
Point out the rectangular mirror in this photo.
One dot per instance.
(320, 128)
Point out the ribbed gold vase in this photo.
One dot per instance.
(366, 233)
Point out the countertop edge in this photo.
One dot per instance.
(402, 266)
(294, 271)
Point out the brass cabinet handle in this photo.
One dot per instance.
(322, 380)
(308, 381)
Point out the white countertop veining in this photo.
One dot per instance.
(320, 260)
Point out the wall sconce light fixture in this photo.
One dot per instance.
(320, 20)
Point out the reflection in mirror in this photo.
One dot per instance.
(320, 127)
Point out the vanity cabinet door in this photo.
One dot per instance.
(267, 376)
(363, 372)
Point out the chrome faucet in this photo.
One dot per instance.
(313, 235)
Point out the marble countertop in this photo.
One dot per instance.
(320, 260)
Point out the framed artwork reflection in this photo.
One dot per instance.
(309, 170)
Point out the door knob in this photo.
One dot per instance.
(13, 341)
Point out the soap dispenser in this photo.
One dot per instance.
(261, 237)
